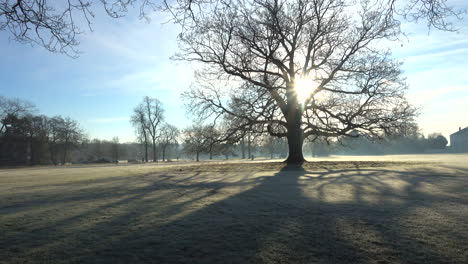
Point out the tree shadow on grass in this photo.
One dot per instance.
(293, 216)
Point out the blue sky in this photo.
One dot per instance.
(126, 59)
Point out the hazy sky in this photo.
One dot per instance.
(126, 59)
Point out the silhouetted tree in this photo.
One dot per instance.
(23, 136)
(26, 138)
(297, 69)
(14, 140)
(63, 135)
(37, 138)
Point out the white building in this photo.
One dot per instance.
(459, 140)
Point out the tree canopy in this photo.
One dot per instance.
(56, 25)
(297, 69)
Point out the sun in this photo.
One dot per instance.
(304, 86)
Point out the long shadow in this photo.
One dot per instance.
(270, 223)
(275, 221)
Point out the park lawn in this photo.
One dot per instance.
(324, 212)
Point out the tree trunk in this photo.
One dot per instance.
(64, 157)
(295, 134)
(295, 142)
(211, 154)
(243, 148)
(31, 152)
(146, 151)
(197, 156)
(154, 151)
(249, 151)
(163, 153)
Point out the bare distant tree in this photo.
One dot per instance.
(147, 118)
(196, 140)
(64, 134)
(169, 135)
(155, 116)
(297, 69)
(213, 137)
(70, 135)
(140, 123)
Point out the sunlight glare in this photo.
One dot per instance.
(304, 86)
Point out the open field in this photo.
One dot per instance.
(386, 209)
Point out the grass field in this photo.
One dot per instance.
(398, 209)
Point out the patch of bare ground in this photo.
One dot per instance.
(320, 212)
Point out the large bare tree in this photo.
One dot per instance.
(297, 68)
(147, 119)
(140, 123)
(154, 117)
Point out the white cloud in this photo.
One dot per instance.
(434, 55)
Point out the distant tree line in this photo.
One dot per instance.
(206, 142)
(28, 138)
(206, 139)
(407, 142)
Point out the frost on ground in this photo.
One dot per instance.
(331, 211)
